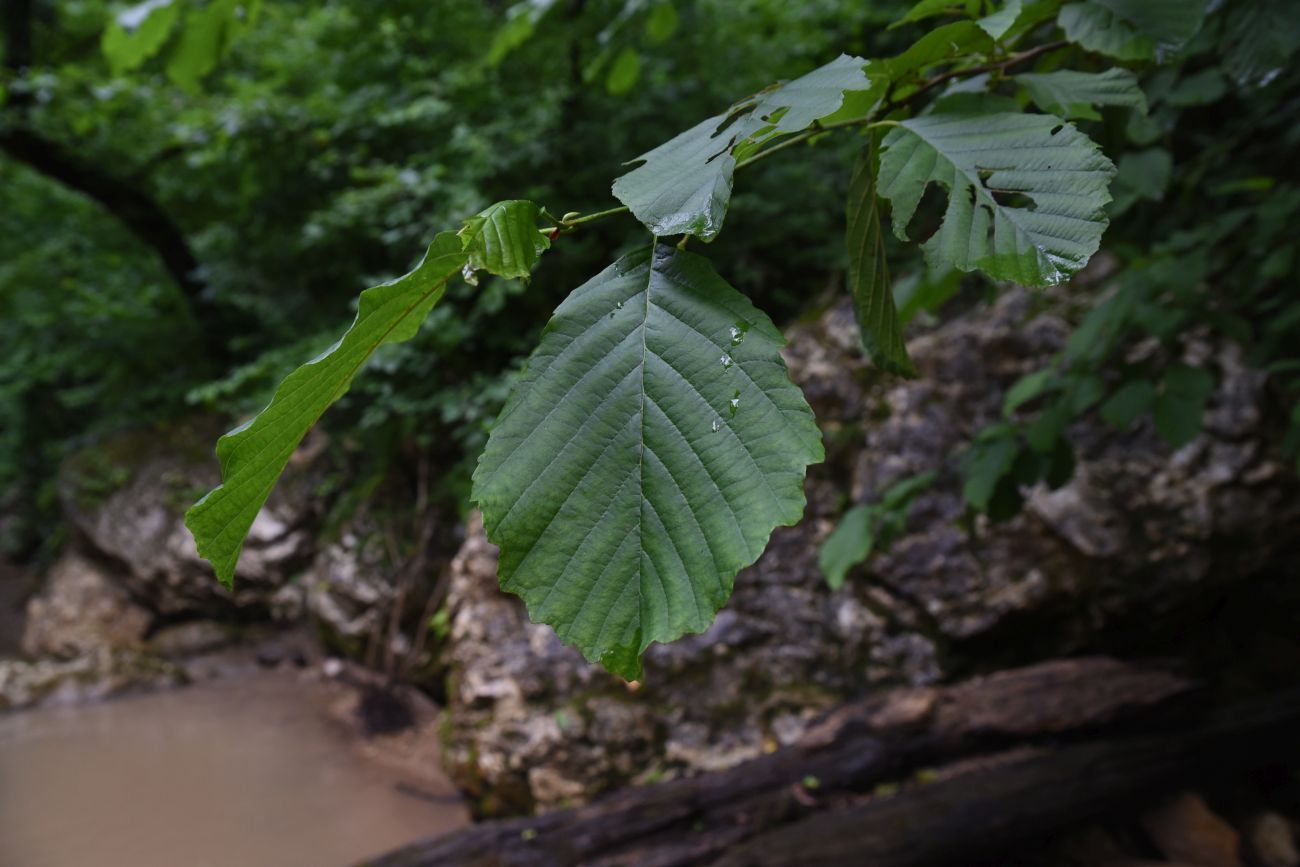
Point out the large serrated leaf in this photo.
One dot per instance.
(253, 455)
(868, 273)
(649, 449)
(684, 185)
(503, 239)
(1025, 192)
(1131, 29)
(1072, 94)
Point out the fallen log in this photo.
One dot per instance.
(983, 766)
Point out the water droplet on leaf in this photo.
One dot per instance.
(734, 404)
(738, 332)
(727, 362)
(468, 273)
(717, 425)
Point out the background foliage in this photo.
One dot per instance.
(315, 148)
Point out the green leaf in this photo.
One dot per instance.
(684, 185)
(997, 24)
(849, 544)
(1028, 387)
(1128, 404)
(1073, 94)
(1054, 168)
(989, 459)
(647, 452)
(1170, 22)
(929, 9)
(504, 240)
(661, 23)
(521, 20)
(924, 290)
(940, 45)
(1200, 88)
(201, 43)
(868, 275)
(1180, 406)
(624, 72)
(1098, 29)
(1259, 40)
(138, 33)
(1132, 29)
(253, 455)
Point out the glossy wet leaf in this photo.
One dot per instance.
(253, 455)
(868, 274)
(503, 239)
(623, 492)
(1071, 94)
(1025, 192)
(684, 185)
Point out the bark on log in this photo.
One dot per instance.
(1019, 754)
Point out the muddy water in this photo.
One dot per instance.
(238, 772)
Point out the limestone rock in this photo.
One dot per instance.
(89, 677)
(81, 609)
(1138, 536)
(127, 499)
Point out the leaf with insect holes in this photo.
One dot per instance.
(648, 450)
(1025, 192)
(684, 185)
(254, 454)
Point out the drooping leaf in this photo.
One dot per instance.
(684, 185)
(868, 273)
(138, 33)
(1071, 94)
(649, 449)
(503, 239)
(987, 163)
(253, 455)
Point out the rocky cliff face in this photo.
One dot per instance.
(1137, 534)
